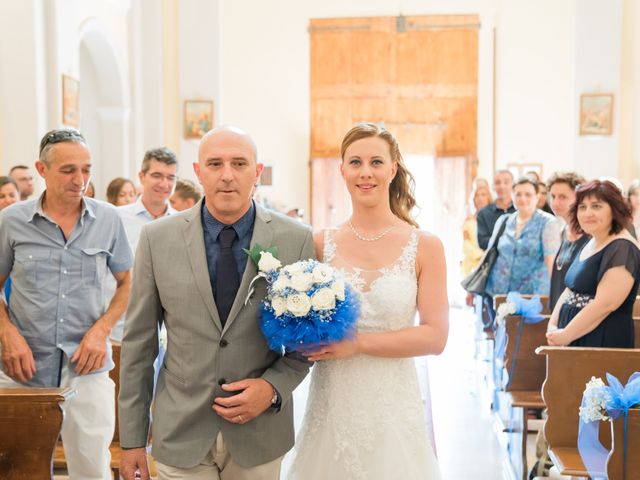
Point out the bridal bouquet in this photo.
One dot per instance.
(307, 303)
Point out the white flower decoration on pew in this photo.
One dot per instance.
(505, 309)
(595, 399)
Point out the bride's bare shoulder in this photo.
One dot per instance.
(429, 241)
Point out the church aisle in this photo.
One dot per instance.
(466, 443)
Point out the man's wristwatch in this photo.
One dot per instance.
(274, 398)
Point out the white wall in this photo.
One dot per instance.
(598, 67)
(629, 100)
(199, 68)
(22, 94)
(534, 83)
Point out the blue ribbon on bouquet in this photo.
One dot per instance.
(594, 454)
(529, 310)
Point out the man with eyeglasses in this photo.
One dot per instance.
(59, 249)
(158, 179)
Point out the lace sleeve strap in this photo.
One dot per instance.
(410, 250)
(329, 247)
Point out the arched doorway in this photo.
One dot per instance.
(104, 110)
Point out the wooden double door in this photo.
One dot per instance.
(415, 75)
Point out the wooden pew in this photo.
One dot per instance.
(30, 422)
(568, 371)
(616, 468)
(520, 394)
(60, 461)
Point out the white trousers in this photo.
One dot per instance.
(88, 424)
(218, 465)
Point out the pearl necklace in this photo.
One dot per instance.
(369, 239)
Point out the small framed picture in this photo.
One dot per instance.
(532, 170)
(198, 118)
(266, 178)
(596, 114)
(70, 101)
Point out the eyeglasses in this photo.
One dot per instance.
(158, 177)
(62, 135)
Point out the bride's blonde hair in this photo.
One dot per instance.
(401, 197)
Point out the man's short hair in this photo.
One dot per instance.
(18, 167)
(58, 135)
(187, 189)
(161, 154)
(499, 172)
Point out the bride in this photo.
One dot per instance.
(364, 417)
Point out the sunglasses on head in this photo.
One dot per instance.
(58, 136)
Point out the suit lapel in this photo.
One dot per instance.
(194, 240)
(262, 235)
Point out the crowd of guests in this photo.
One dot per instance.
(570, 239)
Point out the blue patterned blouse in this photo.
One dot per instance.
(520, 264)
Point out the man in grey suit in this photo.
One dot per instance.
(222, 407)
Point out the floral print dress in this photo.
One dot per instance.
(520, 264)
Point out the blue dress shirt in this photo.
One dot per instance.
(212, 227)
(57, 283)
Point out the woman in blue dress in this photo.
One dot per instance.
(527, 246)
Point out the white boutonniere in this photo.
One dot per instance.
(266, 259)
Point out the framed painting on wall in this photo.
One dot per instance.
(70, 101)
(596, 114)
(530, 169)
(198, 118)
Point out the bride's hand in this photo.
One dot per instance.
(344, 349)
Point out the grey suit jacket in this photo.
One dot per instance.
(172, 283)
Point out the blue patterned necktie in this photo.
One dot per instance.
(227, 278)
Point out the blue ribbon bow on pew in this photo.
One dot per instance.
(530, 311)
(619, 400)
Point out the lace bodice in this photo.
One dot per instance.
(376, 287)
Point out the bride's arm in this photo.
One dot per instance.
(428, 338)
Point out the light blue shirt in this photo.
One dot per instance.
(57, 283)
(134, 217)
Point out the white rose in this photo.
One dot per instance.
(268, 262)
(281, 283)
(279, 305)
(322, 273)
(301, 281)
(298, 304)
(323, 299)
(337, 288)
(294, 268)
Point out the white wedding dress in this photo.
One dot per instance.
(365, 418)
